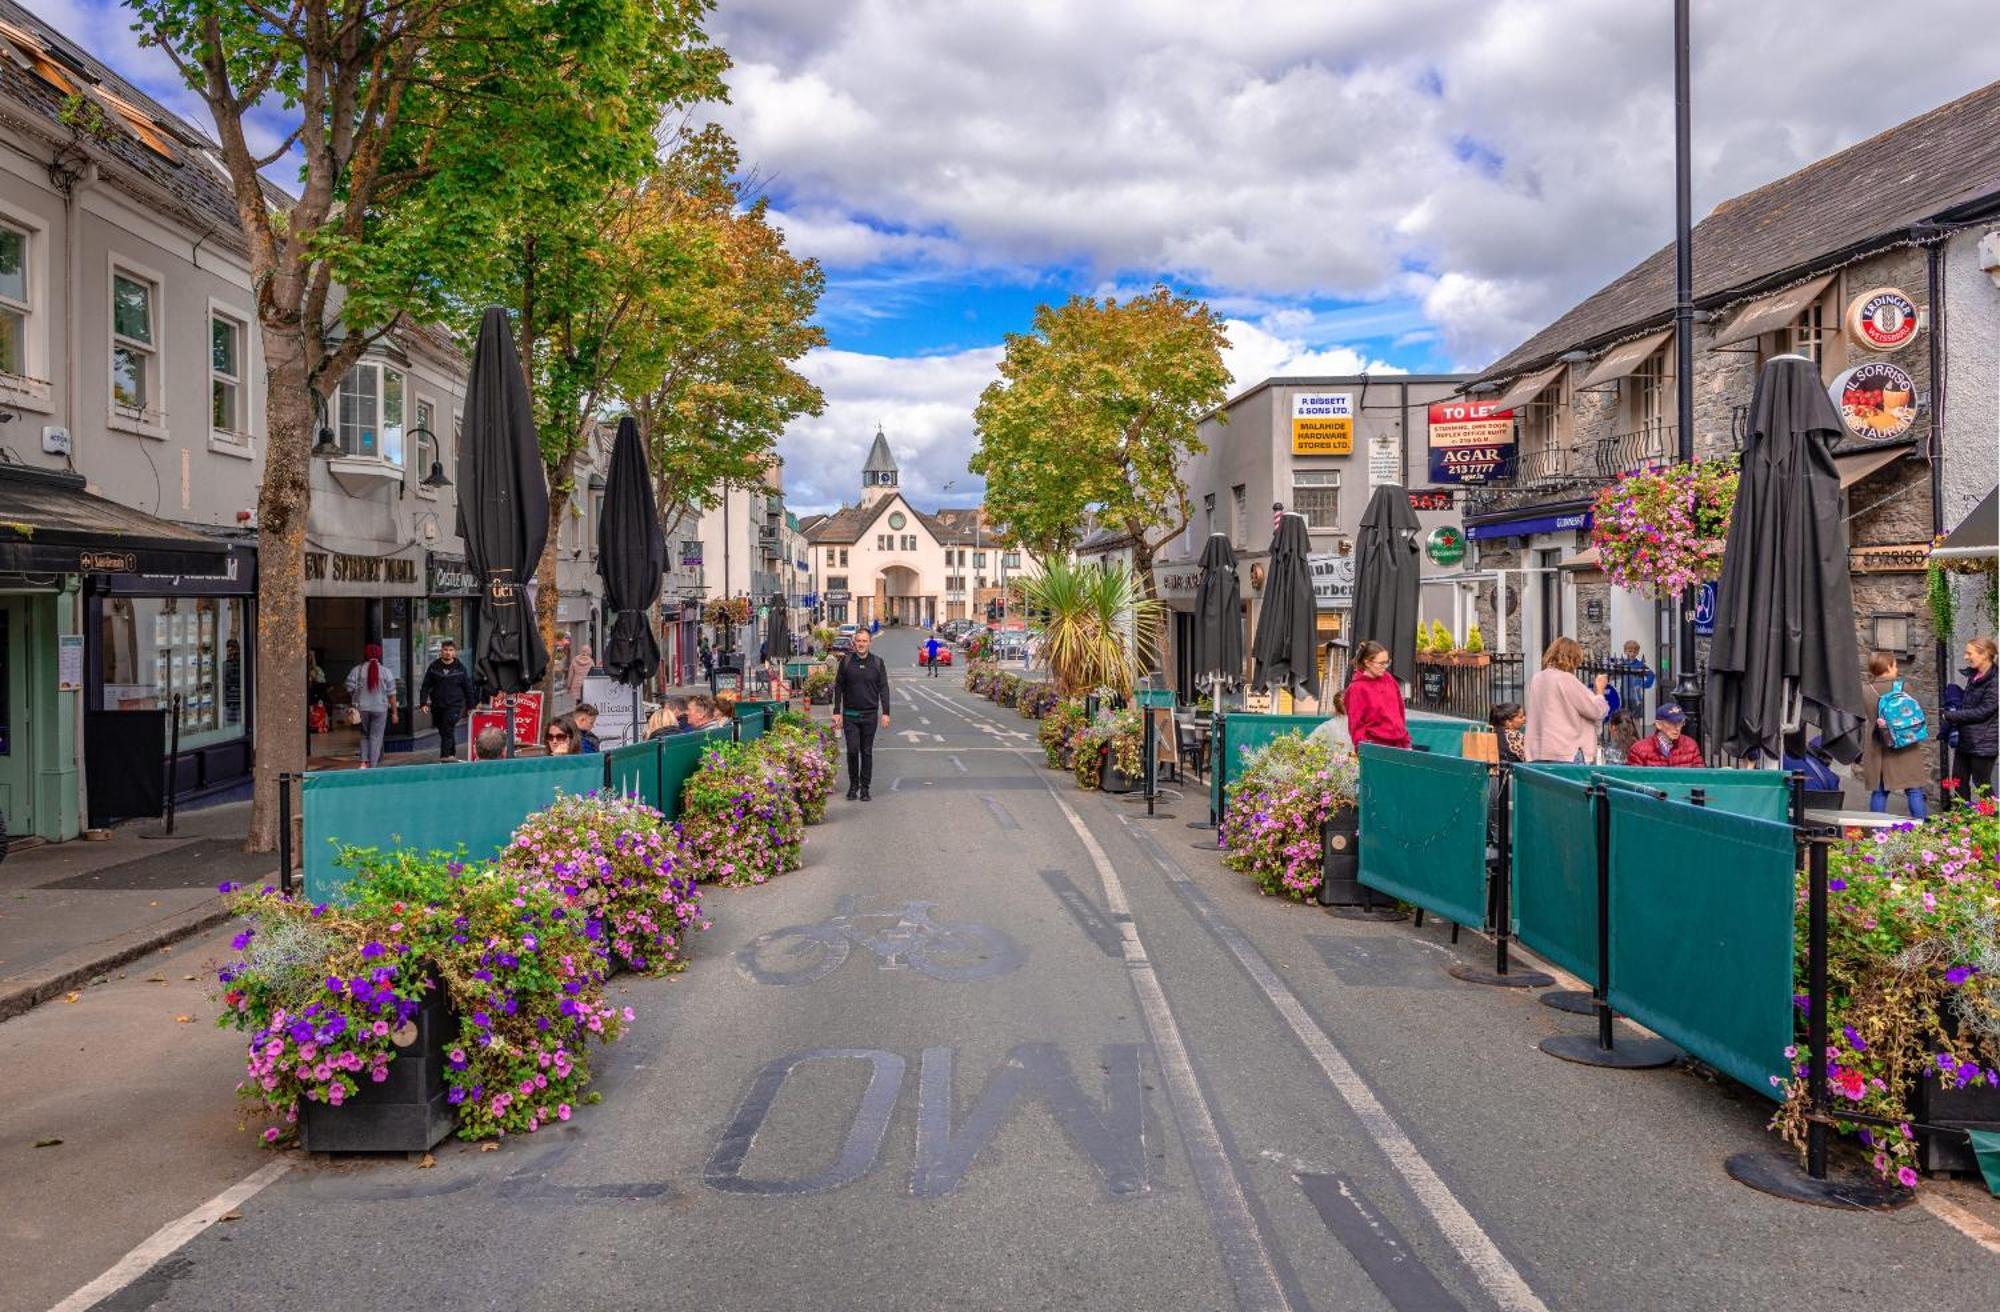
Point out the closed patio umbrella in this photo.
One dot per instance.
(503, 509)
(1218, 617)
(632, 561)
(1283, 645)
(1387, 573)
(1784, 652)
(778, 633)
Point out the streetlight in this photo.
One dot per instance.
(1686, 689)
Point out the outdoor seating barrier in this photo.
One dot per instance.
(753, 718)
(1554, 867)
(1235, 735)
(1759, 794)
(634, 771)
(1441, 735)
(1423, 830)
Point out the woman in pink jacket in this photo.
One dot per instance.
(1563, 715)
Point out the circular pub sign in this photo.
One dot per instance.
(1882, 319)
(1876, 400)
(1445, 545)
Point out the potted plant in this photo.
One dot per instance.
(1280, 801)
(819, 685)
(1475, 647)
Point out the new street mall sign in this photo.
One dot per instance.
(1322, 423)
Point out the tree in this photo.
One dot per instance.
(414, 123)
(1093, 414)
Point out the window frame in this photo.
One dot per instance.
(382, 369)
(420, 467)
(148, 419)
(1306, 481)
(239, 442)
(25, 306)
(31, 389)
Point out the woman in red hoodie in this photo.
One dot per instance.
(1375, 700)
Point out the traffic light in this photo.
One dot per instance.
(992, 612)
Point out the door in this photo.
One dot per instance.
(1548, 581)
(17, 791)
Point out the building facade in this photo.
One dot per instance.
(1857, 262)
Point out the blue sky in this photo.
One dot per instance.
(1384, 185)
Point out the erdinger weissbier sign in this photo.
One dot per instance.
(1471, 442)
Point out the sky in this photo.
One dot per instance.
(1378, 185)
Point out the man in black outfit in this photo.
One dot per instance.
(860, 707)
(447, 689)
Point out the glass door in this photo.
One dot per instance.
(17, 791)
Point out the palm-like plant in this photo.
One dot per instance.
(1099, 630)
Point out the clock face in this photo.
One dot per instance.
(896, 520)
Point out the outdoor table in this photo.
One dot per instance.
(1858, 819)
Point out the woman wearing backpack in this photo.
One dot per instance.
(1974, 718)
(1884, 766)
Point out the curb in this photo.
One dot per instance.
(84, 964)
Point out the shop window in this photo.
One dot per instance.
(15, 304)
(371, 412)
(134, 345)
(152, 648)
(227, 414)
(1316, 495)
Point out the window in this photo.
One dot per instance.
(1239, 513)
(226, 416)
(836, 583)
(1316, 495)
(152, 648)
(371, 412)
(15, 304)
(909, 542)
(954, 583)
(134, 348)
(1012, 560)
(881, 541)
(427, 452)
(843, 557)
(1651, 395)
(979, 560)
(1807, 335)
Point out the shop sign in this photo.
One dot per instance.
(1332, 580)
(690, 552)
(1322, 423)
(107, 562)
(1445, 545)
(1876, 399)
(1704, 611)
(527, 717)
(1470, 442)
(1385, 459)
(1177, 582)
(1903, 558)
(451, 577)
(1883, 319)
(339, 567)
(836, 596)
(1578, 521)
(1438, 498)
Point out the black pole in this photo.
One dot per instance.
(1697, 797)
(1686, 689)
(1502, 900)
(1816, 1003)
(510, 722)
(1146, 743)
(1600, 989)
(285, 832)
(173, 763)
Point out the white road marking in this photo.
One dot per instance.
(171, 1237)
(1978, 1230)
(960, 764)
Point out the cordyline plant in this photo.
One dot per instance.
(1661, 531)
(1099, 628)
(1277, 805)
(1914, 964)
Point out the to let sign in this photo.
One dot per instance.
(1322, 423)
(1470, 442)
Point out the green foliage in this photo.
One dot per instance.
(1475, 641)
(1095, 410)
(1942, 601)
(1099, 630)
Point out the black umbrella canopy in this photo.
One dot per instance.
(777, 634)
(1387, 573)
(1784, 654)
(1283, 646)
(1218, 615)
(631, 559)
(503, 508)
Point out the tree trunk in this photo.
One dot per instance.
(1142, 569)
(283, 504)
(546, 593)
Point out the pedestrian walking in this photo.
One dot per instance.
(1374, 700)
(1975, 720)
(373, 690)
(1563, 715)
(1892, 757)
(448, 690)
(860, 707)
(931, 649)
(580, 665)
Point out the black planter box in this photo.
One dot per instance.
(406, 1113)
(1971, 1108)
(1115, 780)
(1340, 865)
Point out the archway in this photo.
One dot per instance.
(898, 599)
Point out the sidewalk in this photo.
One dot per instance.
(69, 912)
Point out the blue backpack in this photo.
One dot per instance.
(1904, 717)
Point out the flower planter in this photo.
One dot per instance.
(1115, 780)
(1970, 1108)
(406, 1113)
(1340, 868)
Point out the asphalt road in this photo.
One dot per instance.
(1002, 1044)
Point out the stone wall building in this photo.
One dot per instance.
(1829, 262)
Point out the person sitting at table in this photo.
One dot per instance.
(561, 737)
(1510, 725)
(1334, 730)
(1667, 745)
(1374, 700)
(669, 719)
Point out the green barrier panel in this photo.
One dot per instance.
(1701, 932)
(1442, 735)
(1555, 868)
(1156, 699)
(680, 757)
(755, 717)
(1423, 830)
(1759, 794)
(635, 769)
(1243, 733)
(427, 808)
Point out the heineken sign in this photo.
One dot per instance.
(1445, 545)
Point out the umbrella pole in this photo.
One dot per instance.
(510, 722)
(637, 727)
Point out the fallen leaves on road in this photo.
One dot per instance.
(232, 1216)
(47, 1143)
(184, 1020)
(156, 979)
(426, 1162)
(71, 996)
(489, 1147)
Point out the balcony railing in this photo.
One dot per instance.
(1621, 453)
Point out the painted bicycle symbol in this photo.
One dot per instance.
(801, 954)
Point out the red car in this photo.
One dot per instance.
(943, 656)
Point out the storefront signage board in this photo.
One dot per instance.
(1323, 423)
(1876, 400)
(1471, 442)
(1883, 319)
(527, 718)
(1332, 580)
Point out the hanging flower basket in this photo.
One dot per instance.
(1661, 531)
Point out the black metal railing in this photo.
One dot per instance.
(1621, 453)
(1470, 687)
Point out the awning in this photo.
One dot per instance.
(1620, 361)
(1857, 465)
(50, 525)
(1977, 536)
(1767, 314)
(1527, 389)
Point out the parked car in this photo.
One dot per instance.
(1010, 644)
(843, 637)
(943, 656)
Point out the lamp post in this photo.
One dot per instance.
(1686, 689)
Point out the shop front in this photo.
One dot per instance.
(354, 600)
(184, 646)
(450, 610)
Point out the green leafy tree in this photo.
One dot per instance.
(1093, 414)
(415, 125)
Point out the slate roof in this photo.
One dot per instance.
(843, 526)
(1866, 197)
(879, 461)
